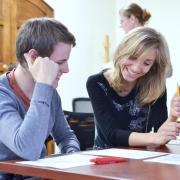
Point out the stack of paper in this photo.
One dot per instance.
(168, 159)
(62, 162)
(126, 153)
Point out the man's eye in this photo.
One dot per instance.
(59, 63)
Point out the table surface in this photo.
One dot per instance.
(132, 169)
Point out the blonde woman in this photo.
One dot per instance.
(129, 100)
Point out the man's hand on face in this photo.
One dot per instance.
(43, 70)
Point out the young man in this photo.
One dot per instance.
(30, 107)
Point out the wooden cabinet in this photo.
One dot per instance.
(12, 14)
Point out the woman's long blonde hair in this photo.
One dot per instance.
(152, 85)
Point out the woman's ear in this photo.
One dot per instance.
(133, 18)
(33, 54)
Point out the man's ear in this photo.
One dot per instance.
(33, 54)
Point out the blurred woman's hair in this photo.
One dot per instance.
(134, 9)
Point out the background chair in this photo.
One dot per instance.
(81, 121)
(50, 145)
(82, 104)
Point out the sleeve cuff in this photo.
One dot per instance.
(43, 93)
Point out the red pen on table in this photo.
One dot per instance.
(108, 160)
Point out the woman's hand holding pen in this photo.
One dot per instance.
(168, 131)
(171, 128)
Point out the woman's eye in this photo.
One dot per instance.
(132, 58)
(147, 63)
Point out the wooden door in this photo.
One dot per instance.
(13, 13)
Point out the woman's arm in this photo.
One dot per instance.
(165, 131)
(148, 139)
(165, 128)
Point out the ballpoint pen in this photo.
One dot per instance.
(108, 160)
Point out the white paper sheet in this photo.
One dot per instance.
(62, 162)
(168, 159)
(126, 153)
(175, 142)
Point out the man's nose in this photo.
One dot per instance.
(65, 68)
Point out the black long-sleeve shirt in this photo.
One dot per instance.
(116, 117)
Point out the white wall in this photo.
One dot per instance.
(90, 20)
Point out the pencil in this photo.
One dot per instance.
(178, 94)
(33, 60)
